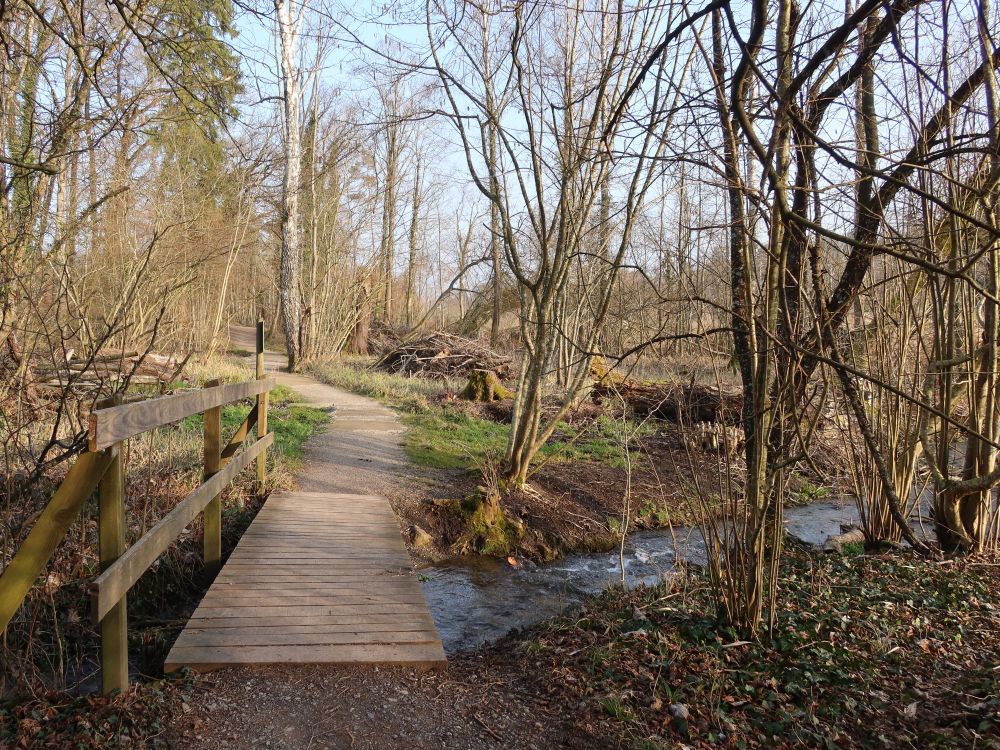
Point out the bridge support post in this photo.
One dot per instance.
(213, 511)
(111, 532)
(261, 409)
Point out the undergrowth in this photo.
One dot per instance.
(138, 718)
(887, 651)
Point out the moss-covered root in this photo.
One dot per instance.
(488, 530)
(484, 385)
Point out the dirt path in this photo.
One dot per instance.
(360, 451)
(469, 706)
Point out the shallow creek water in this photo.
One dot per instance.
(473, 603)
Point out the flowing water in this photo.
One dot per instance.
(473, 603)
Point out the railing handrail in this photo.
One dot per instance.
(101, 467)
(48, 531)
(116, 423)
(108, 588)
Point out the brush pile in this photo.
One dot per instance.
(383, 337)
(676, 403)
(444, 355)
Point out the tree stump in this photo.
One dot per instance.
(484, 385)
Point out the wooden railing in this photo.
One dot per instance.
(101, 468)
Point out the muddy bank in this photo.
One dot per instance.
(568, 506)
(572, 506)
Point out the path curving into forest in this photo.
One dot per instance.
(333, 706)
(360, 451)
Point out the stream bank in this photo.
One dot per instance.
(476, 599)
(569, 518)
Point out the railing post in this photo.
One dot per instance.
(111, 542)
(213, 511)
(261, 409)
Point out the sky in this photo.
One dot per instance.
(351, 32)
(347, 32)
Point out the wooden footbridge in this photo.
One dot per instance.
(319, 577)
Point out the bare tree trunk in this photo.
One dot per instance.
(388, 252)
(966, 515)
(291, 251)
(312, 316)
(411, 266)
(464, 240)
(392, 111)
(497, 275)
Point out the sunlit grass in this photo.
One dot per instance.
(443, 435)
(406, 394)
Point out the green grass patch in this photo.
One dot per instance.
(291, 422)
(451, 439)
(448, 438)
(603, 440)
(853, 548)
(445, 436)
(805, 492)
(292, 426)
(616, 707)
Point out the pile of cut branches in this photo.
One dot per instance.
(676, 403)
(444, 355)
(383, 337)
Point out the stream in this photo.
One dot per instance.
(476, 602)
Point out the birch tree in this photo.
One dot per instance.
(289, 16)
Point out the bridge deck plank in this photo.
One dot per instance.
(317, 578)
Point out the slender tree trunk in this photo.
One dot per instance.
(411, 266)
(464, 240)
(312, 312)
(497, 274)
(388, 243)
(291, 251)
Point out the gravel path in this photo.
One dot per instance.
(335, 708)
(361, 449)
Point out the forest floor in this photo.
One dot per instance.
(881, 651)
(868, 651)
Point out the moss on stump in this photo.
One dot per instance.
(488, 531)
(484, 385)
(606, 376)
